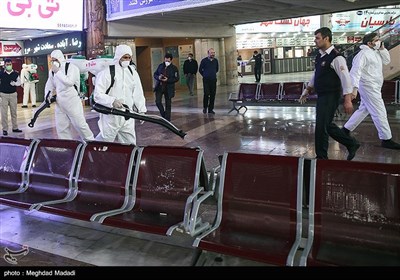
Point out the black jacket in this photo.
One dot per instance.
(172, 73)
(190, 66)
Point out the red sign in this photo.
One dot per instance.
(12, 48)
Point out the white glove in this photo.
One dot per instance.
(54, 68)
(13, 83)
(303, 97)
(118, 103)
(354, 93)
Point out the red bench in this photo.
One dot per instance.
(50, 173)
(167, 182)
(259, 214)
(270, 92)
(291, 91)
(248, 93)
(354, 214)
(15, 154)
(390, 92)
(102, 183)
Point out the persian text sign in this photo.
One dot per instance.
(118, 9)
(11, 48)
(42, 14)
(302, 24)
(71, 42)
(139, 4)
(364, 20)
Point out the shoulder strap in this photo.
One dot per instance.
(130, 70)
(112, 73)
(66, 68)
(66, 72)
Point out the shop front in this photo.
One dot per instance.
(37, 51)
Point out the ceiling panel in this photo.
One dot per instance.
(232, 13)
(248, 11)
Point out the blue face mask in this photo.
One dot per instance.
(8, 67)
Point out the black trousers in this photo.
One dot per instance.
(324, 127)
(257, 73)
(210, 89)
(165, 113)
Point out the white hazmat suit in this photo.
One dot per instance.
(367, 75)
(28, 85)
(69, 109)
(128, 89)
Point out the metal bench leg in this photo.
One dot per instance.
(241, 108)
(234, 108)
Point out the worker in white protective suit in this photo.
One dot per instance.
(367, 78)
(69, 109)
(127, 89)
(29, 84)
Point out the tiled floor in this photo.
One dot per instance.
(278, 130)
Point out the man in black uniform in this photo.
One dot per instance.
(257, 58)
(190, 68)
(331, 78)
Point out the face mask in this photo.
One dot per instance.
(9, 67)
(125, 63)
(167, 63)
(377, 45)
(190, 58)
(56, 64)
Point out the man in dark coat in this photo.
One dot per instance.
(166, 76)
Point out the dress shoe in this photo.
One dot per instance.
(33, 106)
(390, 144)
(204, 111)
(5, 133)
(352, 150)
(211, 112)
(24, 106)
(17, 130)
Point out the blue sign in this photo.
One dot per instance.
(139, 4)
(119, 9)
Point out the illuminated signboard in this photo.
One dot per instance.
(71, 42)
(119, 9)
(11, 48)
(302, 24)
(364, 20)
(42, 14)
(140, 4)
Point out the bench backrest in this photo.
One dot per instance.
(15, 155)
(167, 176)
(354, 214)
(248, 92)
(259, 208)
(53, 167)
(260, 185)
(270, 91)
(390, 91)
(291, 91)
(105, 173)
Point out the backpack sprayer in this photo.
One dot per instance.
(95, 66)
